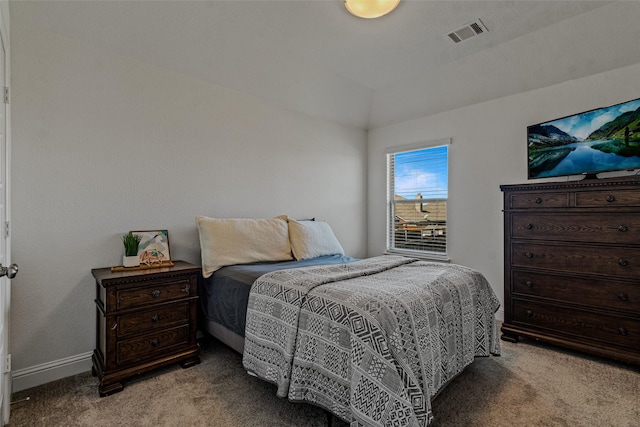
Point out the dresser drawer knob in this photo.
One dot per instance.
(623, 331)
(611, 199)
(155, 342)
(186, 289)
(623, 262)
(529, 313)
(529, 226)
(538, 200)
(623, 228)
(529, 255)
(155, 318)
(623, 296)
(155, 293)
(529, 284)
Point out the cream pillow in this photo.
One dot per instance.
(311, 239)
(241, 241)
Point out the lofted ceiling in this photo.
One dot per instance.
(312, 56)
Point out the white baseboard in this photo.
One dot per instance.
(23, 379)
(41, 374)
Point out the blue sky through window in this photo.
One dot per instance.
(422, 171)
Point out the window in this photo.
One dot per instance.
(417, 200)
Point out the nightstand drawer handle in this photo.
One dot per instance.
(155, 293)
(529, 313)
(186, 289)
(155, 318)
(538, 200)
(623, 331)
(155, 342)
(623, 228)
(623, 262)
(611, 199)
(529, 284)
(529, 255)
(623, 296)
(529, 226)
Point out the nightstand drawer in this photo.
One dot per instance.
(158, 292)
(151, 346)
(150, 320)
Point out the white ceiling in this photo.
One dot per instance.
(312, 56)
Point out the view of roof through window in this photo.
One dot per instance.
(419, 203)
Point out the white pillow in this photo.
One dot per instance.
(241, 241)
(311, 239)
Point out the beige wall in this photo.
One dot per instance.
(103, 144)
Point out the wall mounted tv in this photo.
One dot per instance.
(601, 140)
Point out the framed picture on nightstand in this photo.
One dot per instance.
(153, 247)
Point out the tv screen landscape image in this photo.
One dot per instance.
(601, 140)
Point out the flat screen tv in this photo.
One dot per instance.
(602, 140)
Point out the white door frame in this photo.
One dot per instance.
(5, 288)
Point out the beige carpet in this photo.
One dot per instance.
(529, 385)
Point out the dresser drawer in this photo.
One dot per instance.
(605, 261)
(617, 330)
(612, 198)
(538, 200)
(601, 228)
(151, 346)
(603, 293)
(159, 317)
(155, 293)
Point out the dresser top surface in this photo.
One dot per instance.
(585, 184)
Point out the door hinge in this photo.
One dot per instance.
(7, 364)
(7, 229)
(6, 95)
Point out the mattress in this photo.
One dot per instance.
(224, 295)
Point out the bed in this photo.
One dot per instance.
(372, 341)
(224, 295)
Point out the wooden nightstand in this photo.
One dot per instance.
(145, 319)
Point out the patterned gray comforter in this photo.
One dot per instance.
(371, 341)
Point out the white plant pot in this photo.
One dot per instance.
(131, 261)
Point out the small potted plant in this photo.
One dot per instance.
(131, 242)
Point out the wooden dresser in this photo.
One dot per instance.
(145, 319)
(572, 265)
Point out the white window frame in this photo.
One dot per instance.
(390, 202)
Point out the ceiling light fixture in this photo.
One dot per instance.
(370, 8)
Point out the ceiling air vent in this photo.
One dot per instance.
(469, 30)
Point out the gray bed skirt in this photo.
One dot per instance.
(226, 336)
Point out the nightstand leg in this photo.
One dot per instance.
(190, 362)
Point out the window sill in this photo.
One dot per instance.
(419, 255)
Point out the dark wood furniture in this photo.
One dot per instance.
(572, 265)
(145, 319)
